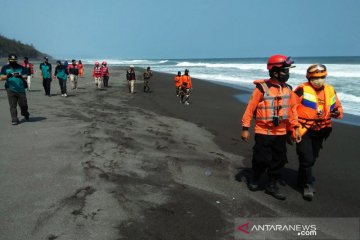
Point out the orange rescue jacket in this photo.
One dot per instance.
(314, 107)
(177, 80)
(273, 106)
(186, 81)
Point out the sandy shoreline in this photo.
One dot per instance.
(102, 164)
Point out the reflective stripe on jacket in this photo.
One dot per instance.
(275, 103)
(313, 114)
(271, 102)
(97, 72)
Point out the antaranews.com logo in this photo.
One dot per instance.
(300, 229)
(297, 228)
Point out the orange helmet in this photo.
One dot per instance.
(316, 71)
(279, 61)
(104, 63)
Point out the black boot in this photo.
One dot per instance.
(253, 183)
(308, 192)
(273, 190)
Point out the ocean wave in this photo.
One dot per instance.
(126, 62)
(348, 97)
(223, 65)
(223, 78)
(334, 70)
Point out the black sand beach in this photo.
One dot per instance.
(107, 164)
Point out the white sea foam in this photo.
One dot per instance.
(126, 62)
(241, 66)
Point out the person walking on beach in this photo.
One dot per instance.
(29, 71)
(131, 77)
(185, 88)
(61, 72)
(15, 76)
(177, 80)
(105, 73)
(73, 73)
(45, 75)
(147, 76)
(273, 105)
(81, 69)
(317, 104)
(97, 75)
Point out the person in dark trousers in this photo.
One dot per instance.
(273, 105)
(317, 105)
(45, 75)
(185, 88)
(15, 76)
(147, 76)
(61, 72)
(105, 73)
(177, 80)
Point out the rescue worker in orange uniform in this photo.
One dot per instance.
(177, 80)
(81, 69)
(273, 106)
(317, 104)
(185, 87)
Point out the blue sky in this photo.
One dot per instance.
(142, 29)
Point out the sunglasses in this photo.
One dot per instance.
(289, 61)
(317, 68)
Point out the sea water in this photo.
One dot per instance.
(343, 74)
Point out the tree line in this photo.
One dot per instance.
(21, 49)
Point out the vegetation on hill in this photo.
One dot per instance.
(13, 46)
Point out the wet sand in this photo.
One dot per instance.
(107, 164)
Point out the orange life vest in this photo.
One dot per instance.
(177, 81)
(275, 105)
(186, 81)
(311, 114)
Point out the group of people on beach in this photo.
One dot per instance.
(282, 115)
(183, 86)
(131, 78)
(18, 80)
(63, 71)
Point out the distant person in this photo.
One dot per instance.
(147, 76)
(45, 75)
(105, 73)
(131, 77)
(66, 64)
(61, 72)
(29, 71)
(97, 75)
(177, 80)
(185, 87)
(15, 76)
(81, 69)
(317, 104)
(273, 105)
(73, 73)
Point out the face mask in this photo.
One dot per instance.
(318, 83)
(13, 64)
(283, 77)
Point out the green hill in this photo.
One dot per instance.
(8, 46)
